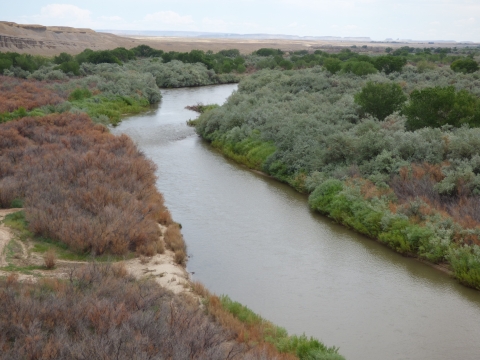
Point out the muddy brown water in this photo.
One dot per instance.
(255, 239)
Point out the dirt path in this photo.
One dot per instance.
(5, 234)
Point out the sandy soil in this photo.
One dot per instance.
(162, 268)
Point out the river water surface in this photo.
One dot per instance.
(255, 239)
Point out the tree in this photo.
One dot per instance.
(103, 56)
(438, 106)
(5, 64)
(63, 57)
(389, 64)
(380, 100)
(466, 65)
(359, 68)
(333, 65)
(70, 67)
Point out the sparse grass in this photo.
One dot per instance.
(27, 270)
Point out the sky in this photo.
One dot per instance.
(378, 19)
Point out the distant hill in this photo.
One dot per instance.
(217, 35)
(51, 40)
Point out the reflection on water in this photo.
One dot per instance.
(255, 239)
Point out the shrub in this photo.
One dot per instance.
(79, 94)
(438, 106)
(101, 313)
(380, 100)
(50, 259)
(424, 65)
(84, 187)
(359, 68)
(268, 52)
(389, 64)
(62, 58)
(333, 65)
(465, 65)
(70, 67)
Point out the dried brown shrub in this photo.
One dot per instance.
(101, 314)
(174, 241)
(50, 259)
(419, 180)
(29, 94)
(82, 185)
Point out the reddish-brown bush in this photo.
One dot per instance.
(174, 241)
(419, 180)
(101, 314)
(80, 184)
(29, 94)
(50, 259)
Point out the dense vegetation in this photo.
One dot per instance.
(368, 152)
(100, 312)
(81, 185)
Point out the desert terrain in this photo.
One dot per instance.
(52, 40)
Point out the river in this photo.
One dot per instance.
(255, 239)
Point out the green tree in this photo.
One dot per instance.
(438, 106)
(359, 68)
(333, 65)
(63, 57)
(104, 56)
(380, 100)
(389, 64)
(5, 64)
(70, 67)
(466, 65)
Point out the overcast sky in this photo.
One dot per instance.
(379, 19)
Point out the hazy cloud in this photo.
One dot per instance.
(169, 18)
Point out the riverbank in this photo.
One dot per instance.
(306, 129)
(247, 163)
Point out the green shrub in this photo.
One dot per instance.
(269, 52)
(380, 100)
(465, 65)
(17, 203)
(438, 106)
(70, 67)
(323, 196)
(465, 262)
(62, 58)
(359, 68)
(424, 65)
(389, 64)
(80, 94)
(333, 65)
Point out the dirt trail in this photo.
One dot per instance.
(5, 234)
